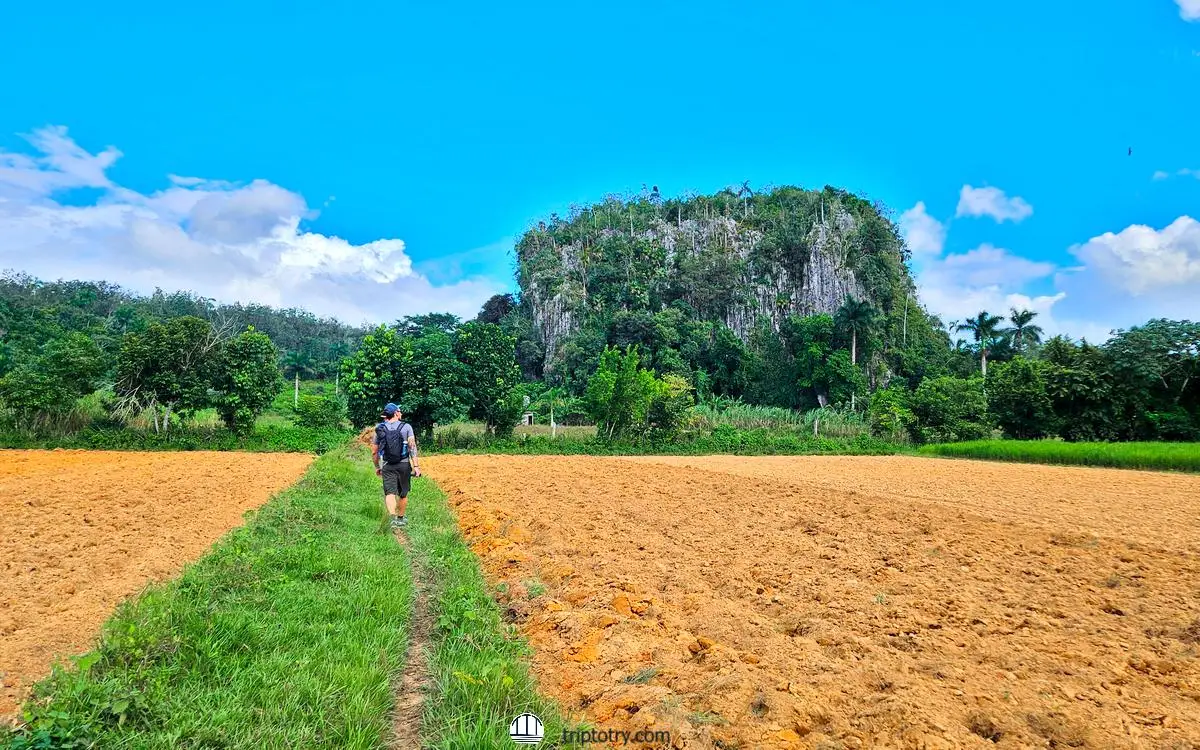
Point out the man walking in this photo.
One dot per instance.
(396, 447)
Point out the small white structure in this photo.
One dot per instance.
(527, 419)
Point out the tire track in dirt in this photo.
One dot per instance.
(771, 609)
(82, 530)
(413, 685)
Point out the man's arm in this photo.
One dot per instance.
(375, 455)
(412, 452)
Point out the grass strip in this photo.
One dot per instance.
(477, 664)
(287, 634)
(1157, 456)
(264, 439)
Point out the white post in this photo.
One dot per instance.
(296, 398)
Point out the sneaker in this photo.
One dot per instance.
(399, 522)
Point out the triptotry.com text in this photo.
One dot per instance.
(622, 736)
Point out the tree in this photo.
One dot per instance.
(44, 388)
(553, 398)
(985, 329)
(1018, 398)
(432, 386)
(496, 308)
(822, 373)
(889, 414)
(1079, 385)
(488, 356)
(415, 326)
(1156, 367)
(619, 394)
(372, 375)
(167, 369)
(770, 370)
(1023, 330)
(856, 316)
(248, 379)
(949, 409)
(671, 402)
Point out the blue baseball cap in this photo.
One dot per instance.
(390, 410)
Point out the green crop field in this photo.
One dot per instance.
(1159, 456)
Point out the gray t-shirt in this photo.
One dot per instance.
(406, 432)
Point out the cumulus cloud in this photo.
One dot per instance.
(986, 278)
(924, 234)
(225, 241)
(1189, 10)
(1141, 260)
(991, 201)
(1121, 279)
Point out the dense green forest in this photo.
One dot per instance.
(34, 312)
(649, 318)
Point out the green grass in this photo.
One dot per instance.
(723, 439)
(264, 439)
(478, 662)
(1160, 456)
(287, 634)
(290, 633)
(830, 422)
(476, 429)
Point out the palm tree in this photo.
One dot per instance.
(985, 328)
(1023, 330)
(857, 315)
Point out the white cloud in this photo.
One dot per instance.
(925, 235)
(986, 278)
(990, 201)
(1185, 172)
(1189, 10)
(225, 241)
(1140, 259)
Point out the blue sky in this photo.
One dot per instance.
(410, 143)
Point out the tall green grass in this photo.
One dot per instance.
(830, 422)
(1162, 456)
(478, 663)
(287, 634)
(722, 440)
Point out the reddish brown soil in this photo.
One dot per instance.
(82, 530)
(849, 602)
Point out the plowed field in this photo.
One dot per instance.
(82, 530)
(849, 602)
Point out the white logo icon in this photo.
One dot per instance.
(526, 729)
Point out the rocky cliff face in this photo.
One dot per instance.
(728, 268)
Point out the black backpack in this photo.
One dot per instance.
(392, 446)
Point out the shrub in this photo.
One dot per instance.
(320, 412)
(950, 409)
(889, 414)
(248, 379)
(670, 406)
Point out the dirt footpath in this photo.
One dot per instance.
(82, 530)
(849, 602)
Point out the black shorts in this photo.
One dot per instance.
(397, 478)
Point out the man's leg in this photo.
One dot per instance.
(403, 485)
(391, 488)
